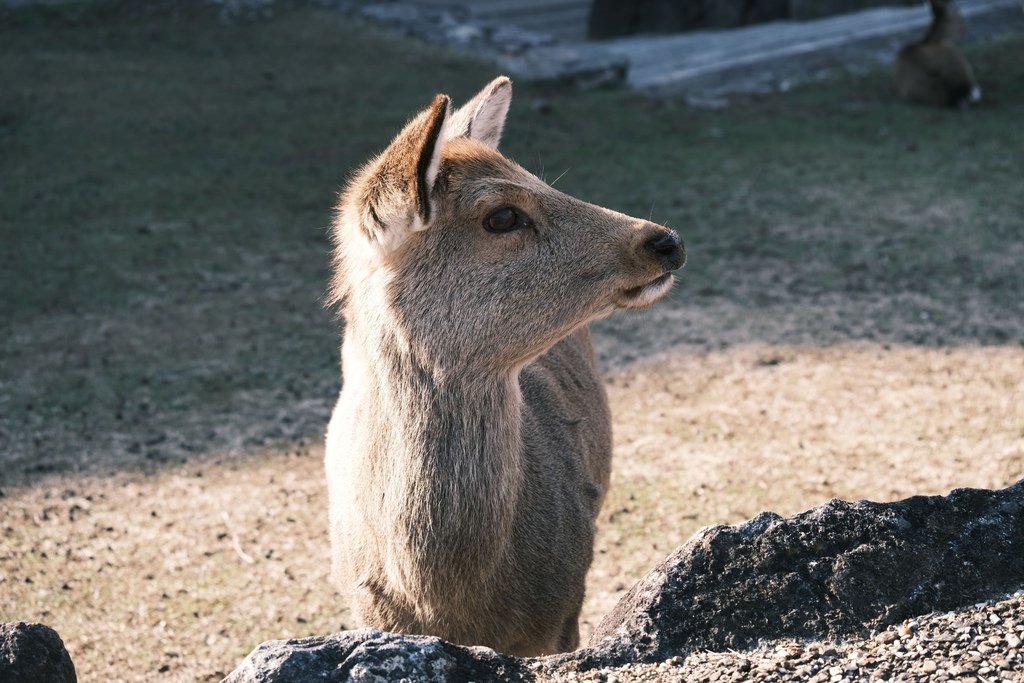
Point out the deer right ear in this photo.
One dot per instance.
(394, 197)
(483, 117)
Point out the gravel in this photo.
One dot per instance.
(978, 644)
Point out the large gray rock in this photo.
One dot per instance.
(839, 569)
(33, 653)
(368, 656)
(584, 66)
(831, 571)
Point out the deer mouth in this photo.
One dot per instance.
(648, 294)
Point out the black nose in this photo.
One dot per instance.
(668, 248)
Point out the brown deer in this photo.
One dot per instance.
(932, 70)
(470, 449)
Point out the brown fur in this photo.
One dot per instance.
(469, 452)
(933, 71)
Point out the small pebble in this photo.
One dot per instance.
(907, 628)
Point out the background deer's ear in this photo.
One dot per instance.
(483, 117)
(395, 195)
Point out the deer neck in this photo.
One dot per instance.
(941, 28)
(441, 448)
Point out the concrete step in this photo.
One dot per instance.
(662, 61)
(705, 65)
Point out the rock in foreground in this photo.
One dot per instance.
(833, 570)
(33, 653)
(371, 655)
(836, 570)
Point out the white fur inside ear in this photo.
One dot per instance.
(418, 225)
(483, 117)
(489, 118)
(435, 160)
(434, 166)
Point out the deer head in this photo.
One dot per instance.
(469, 261)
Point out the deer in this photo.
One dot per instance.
(469, 451)
(932, 71)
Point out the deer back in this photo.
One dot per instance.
(933, 71)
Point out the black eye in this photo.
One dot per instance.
(505, 219)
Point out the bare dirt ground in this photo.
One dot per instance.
(850, 323)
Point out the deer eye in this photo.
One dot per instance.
(506, 219)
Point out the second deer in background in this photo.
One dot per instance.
(932, 70)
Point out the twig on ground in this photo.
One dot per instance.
(235, 543)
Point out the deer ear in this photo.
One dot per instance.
(395, 195)
(483, 117)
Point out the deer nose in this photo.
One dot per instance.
(668, 248)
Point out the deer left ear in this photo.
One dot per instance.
(394, 197)
(430, 154)
(483, 117)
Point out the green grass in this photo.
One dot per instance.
(166, 181)
(142, 153)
